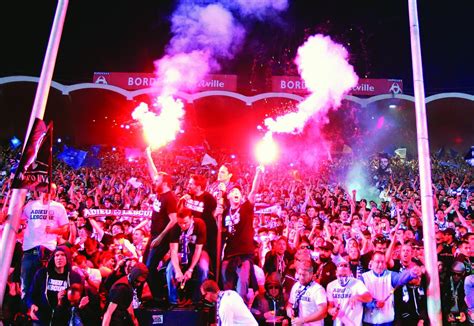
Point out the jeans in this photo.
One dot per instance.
(239, 270)
(155, 255)
(199, 275)
(30, 263)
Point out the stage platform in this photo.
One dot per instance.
(174, 317)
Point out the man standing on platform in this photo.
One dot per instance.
(203, 204)
(46, 220)
(162, 221)
(239, 246)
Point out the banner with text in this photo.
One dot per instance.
(365, 87)
(132, 81)
(116, 212)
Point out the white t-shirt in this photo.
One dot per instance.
(233, 311)
(311, 299)
(260, 275)
(38, 218)
(340, 296)
(380, 287)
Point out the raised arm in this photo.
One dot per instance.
(255, 184)
(150, 164)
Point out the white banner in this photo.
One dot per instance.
(116, 212)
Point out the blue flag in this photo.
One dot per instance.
(15, 142)
(92, 159)
(72, 157)
(92, 162)
(440, 153)
(453, 153)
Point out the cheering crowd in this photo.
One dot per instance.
(276, 245)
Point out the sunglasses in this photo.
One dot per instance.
(305, 247)
(273, 287)
(343, 265)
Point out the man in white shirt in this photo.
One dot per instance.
(230, 307)
(46, 220)
(381, 284)
(307, 304)
(346, 296)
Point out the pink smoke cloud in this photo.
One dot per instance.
(212, 29)
(328, 76)
(180, 72)
(203, 36)
(260, 9)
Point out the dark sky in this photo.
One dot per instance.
(129, 35)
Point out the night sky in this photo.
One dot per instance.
(130, 35)
(127, 36)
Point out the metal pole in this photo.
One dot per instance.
(17, 200)
(431, 259)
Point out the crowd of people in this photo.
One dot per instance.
(275, 245)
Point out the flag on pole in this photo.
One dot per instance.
(72, 157)
(401, 152)
(92, 159)
(208, 159)
(35, 168)
(440, 153)
(346, 149)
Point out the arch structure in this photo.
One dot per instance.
(248, 100)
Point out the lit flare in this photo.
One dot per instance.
(266, 150)
(160, 129)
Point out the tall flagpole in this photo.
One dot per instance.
(17, 200)
(431, 259)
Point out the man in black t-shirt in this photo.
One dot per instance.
(163, 219)
(238, 230)
(203, 204)
(187, 240)
(120, 309)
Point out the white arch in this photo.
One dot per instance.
(249, 100)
